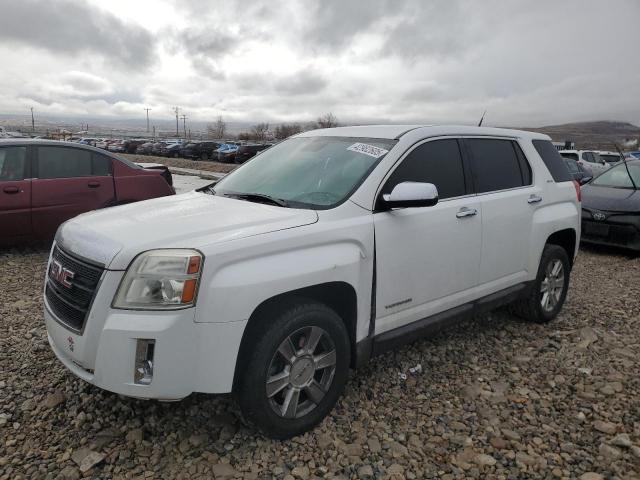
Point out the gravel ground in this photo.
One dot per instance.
(493, 398)
(209, 166)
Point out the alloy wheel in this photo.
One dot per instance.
(301, 372)
(552, 285)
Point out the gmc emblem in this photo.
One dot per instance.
(60, 274)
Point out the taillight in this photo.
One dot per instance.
(578, 192)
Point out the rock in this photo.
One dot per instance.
(498, 443)
(324, 441)
(635, 450)
(374, 445)
(223, 470)
(609, 453)
(54, 400)
(353, 450)
(605, 427)
(484, 460)
(622, 440)
(525, 459)
(198, 440)
(591, 476)
(365, 471)
(587, 336)
(397, 449)
(135, 436)
(511, 435)
(86, 459)
(395, 469)
(69, 473)
(300, 472)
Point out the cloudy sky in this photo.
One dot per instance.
(527, 62)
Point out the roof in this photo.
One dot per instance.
(397, 131)
(54, 143)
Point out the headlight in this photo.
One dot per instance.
(160, 280)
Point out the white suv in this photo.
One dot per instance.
(589, 159)
(326, 249)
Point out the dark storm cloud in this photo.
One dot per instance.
(71, 27)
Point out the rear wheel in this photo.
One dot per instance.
(297, 369)
(549, 290)
(204, 156)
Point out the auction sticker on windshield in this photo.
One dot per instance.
(375, 152)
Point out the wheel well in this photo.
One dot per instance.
(339, 296)
(565, 239)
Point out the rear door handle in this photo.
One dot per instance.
(534, 199)
(10, 190)
(466, 212)
(93, 184)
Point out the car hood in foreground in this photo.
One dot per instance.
(114, 236)
(610, 199)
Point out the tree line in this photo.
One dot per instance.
(263, 131)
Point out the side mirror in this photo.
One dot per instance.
(411, 194)
(585, 180)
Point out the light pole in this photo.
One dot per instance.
(177, 110)
(33, 123)
(184, 125)
(147, 109)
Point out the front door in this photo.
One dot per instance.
(427, 258)
(69, 181)
(15, 193)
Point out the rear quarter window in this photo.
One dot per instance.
(552, 159)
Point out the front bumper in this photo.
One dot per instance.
(611, 232)
(188, 356)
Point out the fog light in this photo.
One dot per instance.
(143, 370)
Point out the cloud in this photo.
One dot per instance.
(71, 27)
(528, 63)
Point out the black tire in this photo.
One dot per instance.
(276, 328)
(204, 156)
(530, 307)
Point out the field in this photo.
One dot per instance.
(492, 398)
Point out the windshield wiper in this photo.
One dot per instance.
(258, 197)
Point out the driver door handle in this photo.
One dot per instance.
(11, 189)
(466, 212)
(534, 198)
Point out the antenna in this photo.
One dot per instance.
(624, 160)
(482, 118)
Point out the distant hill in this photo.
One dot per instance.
(598, 135)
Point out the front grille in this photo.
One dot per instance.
(71, 304)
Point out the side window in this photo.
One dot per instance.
(496, 165)
(553, 160)
(13, 162)
(588, 156)
(63, 162)
(100, 165)
(438, 162)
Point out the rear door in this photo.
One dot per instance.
(15, 192)
(68, 181)
(503, 182)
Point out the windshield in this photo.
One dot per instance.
(618, 177)
(571, 165)
(570, 156)
(308, 172)
(610, 158)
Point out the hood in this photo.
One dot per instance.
(610, 199)
(114, 236)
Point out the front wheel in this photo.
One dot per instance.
(297, 369)
(204, 156)
(549, 290)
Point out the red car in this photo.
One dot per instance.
(44, 183)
